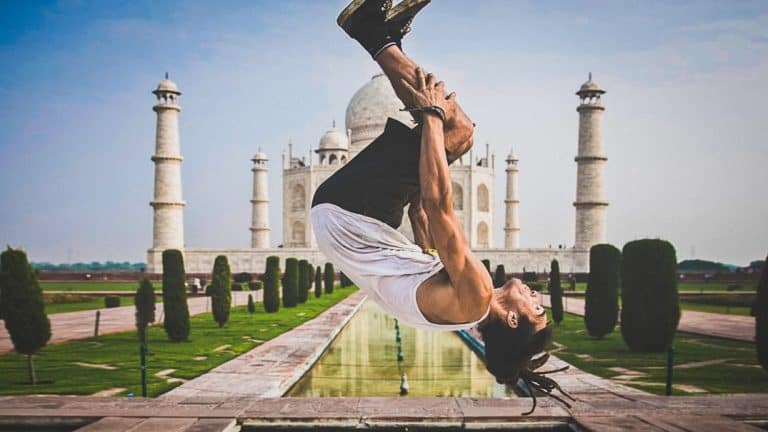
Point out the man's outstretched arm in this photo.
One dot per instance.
(473, 288)
(420, 224)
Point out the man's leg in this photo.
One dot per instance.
(458, 127)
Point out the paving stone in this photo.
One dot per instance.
(615, 424)
(479, 410)
(112, 424)
(213, 425)
(163, 424)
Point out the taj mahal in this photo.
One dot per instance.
(472, 177)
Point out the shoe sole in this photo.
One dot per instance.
(343, 19)
(406, 9)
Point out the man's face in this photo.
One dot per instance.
(520, 300)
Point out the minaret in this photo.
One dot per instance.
(591, 203)
(168, 223)
(260, 203)
(512, 226)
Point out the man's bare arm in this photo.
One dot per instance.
(471, 282)
(420, 224)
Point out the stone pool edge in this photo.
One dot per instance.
(272, 368)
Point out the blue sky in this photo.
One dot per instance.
(684, 130)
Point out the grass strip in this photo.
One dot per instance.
(738, 372)
(208, 347)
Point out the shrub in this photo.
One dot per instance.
(242, 277)
(555, 292)
(538, 287)
(23, 308)
(529, 277)
(208, 291)
(487, 264)
(304, 281)
(111, 301)
(255, 285)
(318, 282)
(345, 281)
(236, 286)
(500, 277)
(271, 279)
(251, 305)
(175, 309)
(291, 283)
(650, 307)
(221, 290)
(328, 277)
(601, 302)
(144, 301)
(760, 312)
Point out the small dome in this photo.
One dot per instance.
(369, 108)
(334, 139)
(259, 156)
(590, 87)
(167, 85)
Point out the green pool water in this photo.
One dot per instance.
(362, 361)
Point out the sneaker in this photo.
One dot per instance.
(400, 17)
(364, 21)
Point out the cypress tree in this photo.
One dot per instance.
(345, 281)
(291, 283)
(318, 282)
(487, 264)
(556, 292)
(601, 303)
(500, 278)
(175, 309)
(251, 305)
(650, 308)
(221, 290)
(271, 279)
(328, 278)
(24, 310)
(304, 281)
(760, 312)
(144, 300)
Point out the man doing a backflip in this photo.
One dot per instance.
(356, 211)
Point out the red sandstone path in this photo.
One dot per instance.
(79, 325)
(736, 327)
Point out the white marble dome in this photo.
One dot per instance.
(369, 108)
(590, 87)
(167, 85)
(334, 139)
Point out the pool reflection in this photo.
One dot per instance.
(362, 361)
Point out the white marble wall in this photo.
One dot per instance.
(591, 203)
(260, 205)
(168, 217)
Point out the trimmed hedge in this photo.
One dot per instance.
(760, 311)
(175, 309)
(650, 306)
(255, 285)
(271, 279)
(23, 307)
(601, 302)
(221, 290)
(111, 301)
(305, 281)
(291, 283)
(555, 292)
(251, 305)
(328, 278)
(345, 281)
(144, 300)
(236, 286)
(530, 276)
(242, 277)
(500, 277)
(318, 282)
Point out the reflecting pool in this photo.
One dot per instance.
(363, 361)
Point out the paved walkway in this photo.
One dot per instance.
(79, 325)
(736, 327)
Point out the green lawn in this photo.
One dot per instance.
(683, 286)
(245, 331)
(722, 309)
(92, 286)
(739, 373)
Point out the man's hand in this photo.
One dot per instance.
(429, 93)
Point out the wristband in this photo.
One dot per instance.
(434, 109)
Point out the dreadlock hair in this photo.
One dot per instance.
(509, 356)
